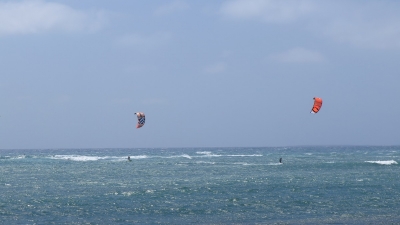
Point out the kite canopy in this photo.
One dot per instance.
(141, 119)
(317, 105)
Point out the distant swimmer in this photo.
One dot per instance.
(280, 160)
(129, 158)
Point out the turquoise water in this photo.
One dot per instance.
(314, 185)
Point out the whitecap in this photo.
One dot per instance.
(204, 153)
(186, 156)
(201, 162)
(388, 162)
(180, 156)
(139, 157)
(78, 157)
(209, 154)
(254, 155)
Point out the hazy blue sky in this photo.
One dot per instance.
(205, 73)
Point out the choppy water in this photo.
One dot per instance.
(314, 185)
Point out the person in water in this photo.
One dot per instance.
(129, 158)
(280, 160)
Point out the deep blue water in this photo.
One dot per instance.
(314, 185)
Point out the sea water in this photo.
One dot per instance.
(313, 185)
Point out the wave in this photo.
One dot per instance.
(388, 162)
(254, 155)
(139, 157)
(203, 153)
(210, 154)
(246, 164)
(179, 156)
(84, 158)
(15, 157)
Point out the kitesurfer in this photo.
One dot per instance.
(280, 160)
(129, 158)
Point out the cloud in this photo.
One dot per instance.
(215, 68)
(371, 24)
(266, 10)
(172, 7)
(144, 41)
(298, 55)
(27, 17)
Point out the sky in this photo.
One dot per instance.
(221, 73)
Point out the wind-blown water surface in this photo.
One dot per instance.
(314, 185)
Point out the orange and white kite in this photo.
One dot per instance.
(317, 105)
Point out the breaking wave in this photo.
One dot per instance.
(388, 162)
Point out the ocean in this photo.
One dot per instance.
(312, 185)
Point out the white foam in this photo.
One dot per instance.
(254, 155)
(204, 162)
(388, 162)
(77, 157)
(139, 157)
(186, 156)
(180, 156)
(204, 153)
(84, 158)
(214, 155)
(210, 154)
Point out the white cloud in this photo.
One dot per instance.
(266, 10)
(298, 55)
(215, 68)
(172, 7)
(39, 16)
(372, 24)
(143, 41)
